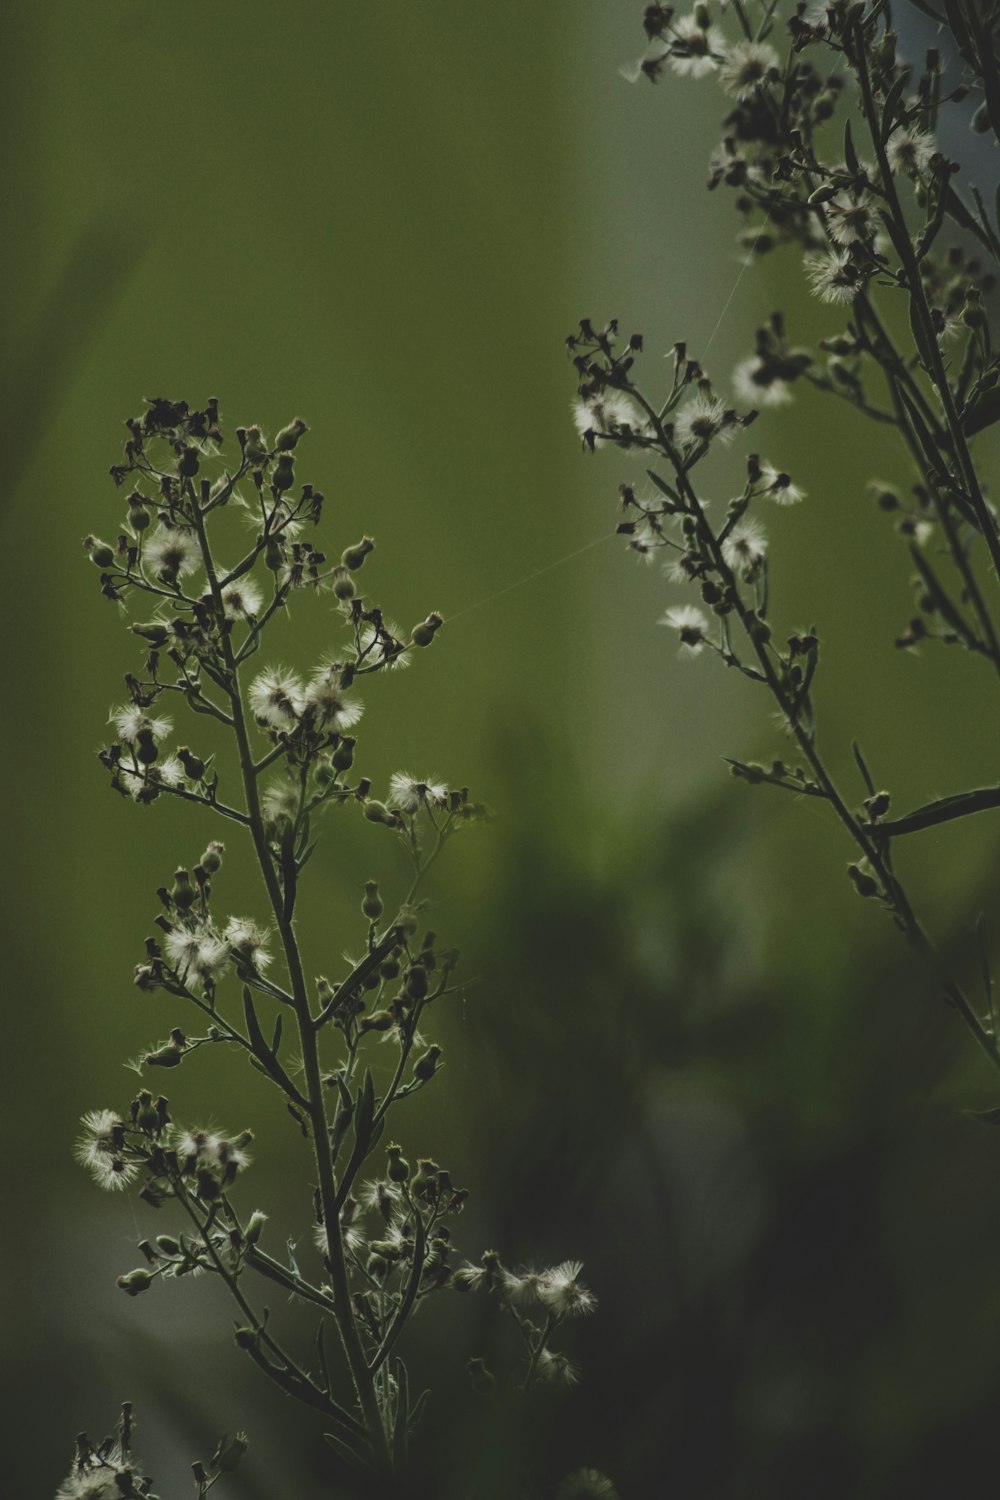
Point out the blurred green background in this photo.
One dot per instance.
(688, 1054)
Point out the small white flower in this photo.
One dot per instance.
(561, 1290)
(701, 420)
(170, 771)
(555, 1369)
(280, 800)
(849, 218)
(248, 941)
(746, 67)
(172, 550)
(383, 648)
(696, 52)
(408, 793)
(330, 707)
(100, 1149)
(610, 414)
(132, 722)
(469, 1277)
(242, 599)
(777, 486)
(745, 548)
(276, 698)
(378, 1196)
(835, 277)
(756, 385)
(197, 954)
(521, 1289)
(910, 151)
(690, 624)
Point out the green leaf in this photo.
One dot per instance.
(892, 101)
(945, 810)
(663, 487)
(862, 766)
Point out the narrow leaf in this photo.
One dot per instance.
(862, 766)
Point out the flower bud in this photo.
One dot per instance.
(229, 1452)
(371, 906)
(343, 756)
(863, 883)
(101, 555)
(135, 1282)
(182, 892)
(343, 583)
(167, 1245)
(274, 556)
(289, 436)
(145, 747)
(398, 1169)
(423, 634)
(153, 631)
(425, 1067)
(353, 558)
(211, 860)
(283, 476)
(377, 812)
(255, 1226)
(138, 517)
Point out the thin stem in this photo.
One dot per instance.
(314, 1092)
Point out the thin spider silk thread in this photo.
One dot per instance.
(608, 536)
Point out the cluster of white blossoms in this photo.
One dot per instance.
(199, 953)
(101, 1149)
(609, 414)
(410, 793)
(281, 701)
(693, 46)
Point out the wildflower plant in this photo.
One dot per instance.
(268, 752)
(830, 146)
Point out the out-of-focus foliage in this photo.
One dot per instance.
(692, 1052)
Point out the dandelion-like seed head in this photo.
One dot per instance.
(132, 723)
(172, 550)
(909, 150)
(849, 218)
(835, 277)
(778, 486)
(280, 800)
(408, 793)
(328, 705)
(562, 1292)
(690, 624)
(745, 548)
(276, 698)
(197, 954)
(242, 599)
(610, 414)
(101, 1150)
(555, 1369)
(248, 942)
(702, 419)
